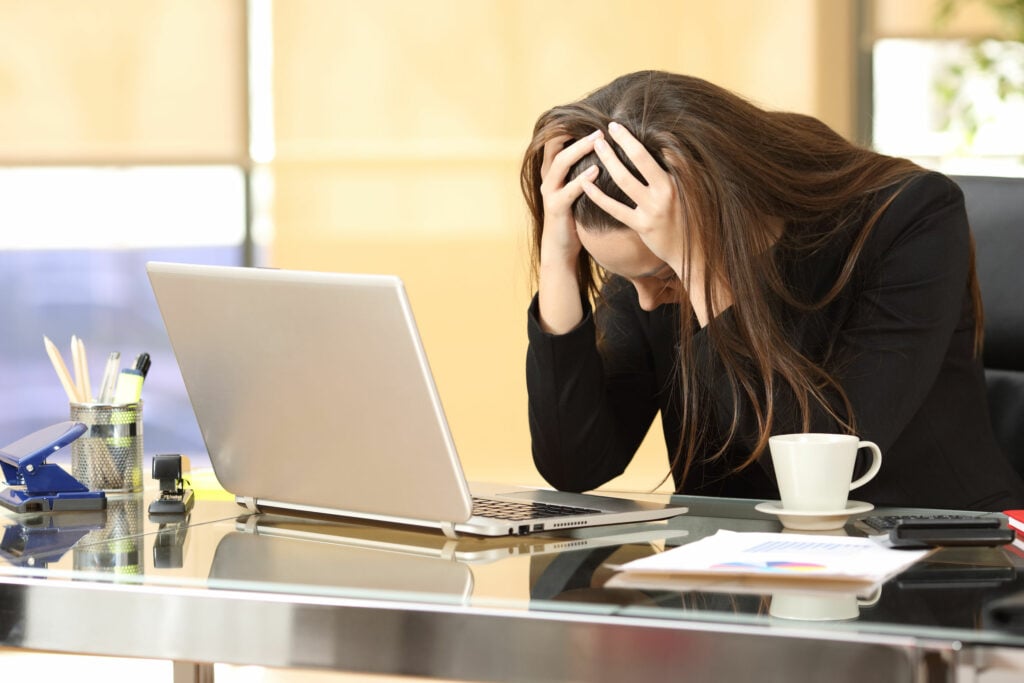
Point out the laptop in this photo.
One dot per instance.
(313, 394)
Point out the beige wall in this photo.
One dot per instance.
(400, 129)
(917, 19)
(122, 81)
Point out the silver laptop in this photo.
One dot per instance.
(313, 394)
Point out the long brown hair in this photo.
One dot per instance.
(739, 170)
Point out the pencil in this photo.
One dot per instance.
(76, 366)
(86, 388)
(62, 370)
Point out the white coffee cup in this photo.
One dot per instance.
(814, 470)
(808, 606)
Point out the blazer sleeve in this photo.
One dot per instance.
(589, 409)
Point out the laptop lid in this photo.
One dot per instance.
(312, 389)
(313, 394)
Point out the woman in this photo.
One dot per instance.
(753, 274)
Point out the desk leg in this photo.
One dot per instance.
(193, 672)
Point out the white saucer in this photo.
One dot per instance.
(811, 520)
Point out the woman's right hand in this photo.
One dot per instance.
(559, 241)
(558, 290)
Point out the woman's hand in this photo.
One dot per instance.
(558, 289)
(658, 216)
(559, 241)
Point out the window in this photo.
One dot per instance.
(72, 261)
(938, 102)
(125, 135)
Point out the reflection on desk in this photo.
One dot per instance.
(299, 564)
(116, 548)
(465, 548)
(36, 540)
(948, 589)
(272, 549)
(386, 599)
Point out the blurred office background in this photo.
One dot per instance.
(386, 136)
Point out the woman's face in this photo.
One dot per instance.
(622, 252)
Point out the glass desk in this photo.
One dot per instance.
(277, 591)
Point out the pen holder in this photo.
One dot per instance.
(116, 548)
(108, 456)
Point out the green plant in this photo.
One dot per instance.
(991, 66)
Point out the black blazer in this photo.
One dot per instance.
(899, 338)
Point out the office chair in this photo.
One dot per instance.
(995, 208)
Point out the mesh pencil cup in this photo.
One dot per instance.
(108, 456)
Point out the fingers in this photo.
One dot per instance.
(558, 160)
(563, 197)
(613, 208)
(574, 188)
(551, 148)
(636, 152)
(655, 177)
(622, 176)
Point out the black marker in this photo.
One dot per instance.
(142, 363)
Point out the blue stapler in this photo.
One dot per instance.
(34, 485)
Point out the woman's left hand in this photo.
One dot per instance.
(658, 216)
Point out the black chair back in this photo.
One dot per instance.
(995, 208)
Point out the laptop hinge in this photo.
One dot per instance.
(449, 530)
(248, 502)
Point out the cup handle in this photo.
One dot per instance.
(876, 464)
(871, 600)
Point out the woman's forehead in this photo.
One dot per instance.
(621, 252)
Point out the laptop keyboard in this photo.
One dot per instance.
(514, 510)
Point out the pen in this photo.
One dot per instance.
(62, 370)
(110, 377)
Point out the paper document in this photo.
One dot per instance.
(778, 558)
